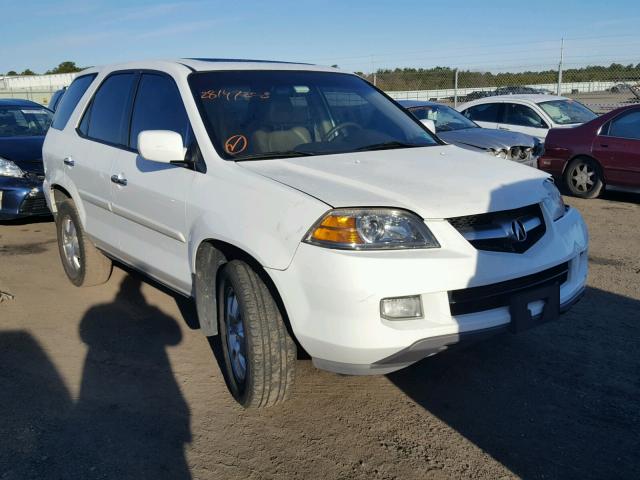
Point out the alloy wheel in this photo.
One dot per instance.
(70, 244)
(235, 338)
(583, 177)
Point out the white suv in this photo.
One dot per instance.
(302, 208)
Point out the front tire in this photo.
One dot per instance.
(583, 178)
(83, 263)
(259, 355)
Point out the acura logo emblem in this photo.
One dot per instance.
(518, 232)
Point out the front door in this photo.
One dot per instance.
(149, 197)
(618, 150)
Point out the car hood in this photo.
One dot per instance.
(434, 182)
(487, 138)
(26, 152)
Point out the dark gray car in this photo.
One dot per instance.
(453, 127)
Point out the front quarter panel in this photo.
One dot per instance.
(258, 215)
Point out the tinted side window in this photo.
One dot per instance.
(516, 114)
(487, 112)
(70, 99)
(421, 113)
(626, 126)
(158, 106)
(107, 118)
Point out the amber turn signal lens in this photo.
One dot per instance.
(337, 229)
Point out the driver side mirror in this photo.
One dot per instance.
(162, 146)
(430, 124)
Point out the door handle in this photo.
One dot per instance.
(604, 145)
(69, 161)
(503, 128)
(119, 180)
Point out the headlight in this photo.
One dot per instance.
(499, 152)
(553, 201)
(370, 229)
(9, 169)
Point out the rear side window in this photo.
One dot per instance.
(107, 118)
(70, 99)
(516, 114)
(486, 112)
(626, 126)
(158, 106)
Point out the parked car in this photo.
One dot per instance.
(453, 127)
(297, 201)
(23, 125)
(602, 153)
(55, 99)
(530, 114)
(519, 90)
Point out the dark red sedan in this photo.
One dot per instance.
(604, 152)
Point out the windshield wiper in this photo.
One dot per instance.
(388, 145)
(274, 155)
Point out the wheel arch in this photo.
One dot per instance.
(60, 194)
(216, 253)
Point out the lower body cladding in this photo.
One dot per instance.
(333, 297)
(21, 197)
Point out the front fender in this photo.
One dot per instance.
(264, 218)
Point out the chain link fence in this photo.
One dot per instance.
(37, 88)
(40, 95)
(600, 88)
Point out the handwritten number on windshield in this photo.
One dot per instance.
(233, 95)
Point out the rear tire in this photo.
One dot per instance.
(259, 355)
(583, 178)
(83, 263)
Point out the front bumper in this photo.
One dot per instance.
(21, 197)
(332, 297)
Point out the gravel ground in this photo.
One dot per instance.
(113, 382)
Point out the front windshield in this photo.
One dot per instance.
(445, 118)
(24, 121)
(275, 113)
(566, 112)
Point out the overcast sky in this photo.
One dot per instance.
(481, 35)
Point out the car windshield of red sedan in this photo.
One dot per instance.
(258, 115)
(24, 121)
(566, 112)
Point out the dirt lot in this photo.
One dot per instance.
(112, 382)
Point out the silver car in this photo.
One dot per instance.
(453, 127)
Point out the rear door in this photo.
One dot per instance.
(522, 118)
(150, 207)
(100, 140)
(485, 114)
(618, 150)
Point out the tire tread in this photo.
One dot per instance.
(96, 267)
(272, 352)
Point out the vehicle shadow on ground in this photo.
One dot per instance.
(130, 419)
(560, 401)
(28, 220)
(619, 196)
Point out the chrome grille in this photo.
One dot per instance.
(513, 231)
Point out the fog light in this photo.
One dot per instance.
(401, 308)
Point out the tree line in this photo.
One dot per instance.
(444, 77)
(64, 67)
